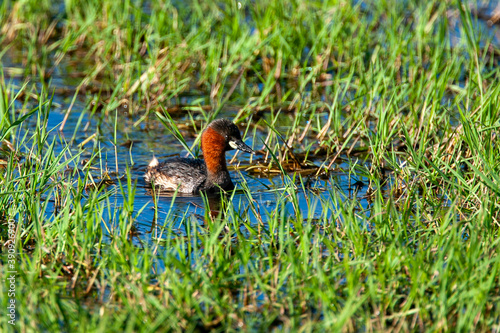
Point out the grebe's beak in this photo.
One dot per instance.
(240, 145)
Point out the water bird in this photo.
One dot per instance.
(189, 175)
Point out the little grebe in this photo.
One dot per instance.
(190, 175)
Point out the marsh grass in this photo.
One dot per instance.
(382, 93)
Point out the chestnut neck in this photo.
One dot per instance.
(213, 146)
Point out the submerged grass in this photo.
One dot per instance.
(391, 89)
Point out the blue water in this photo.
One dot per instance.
(137, 140)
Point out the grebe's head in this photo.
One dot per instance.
(228, 131)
